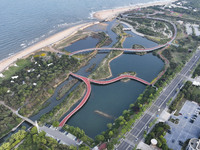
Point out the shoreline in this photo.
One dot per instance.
(110, 14)
(9, 61)
(100, 15)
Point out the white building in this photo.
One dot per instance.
(194, 144)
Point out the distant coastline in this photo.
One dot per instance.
(100, 15)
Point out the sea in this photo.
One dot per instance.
(26, 22)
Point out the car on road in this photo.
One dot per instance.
(180, 143)
(191, 121)
(169, 131)
(195, 116)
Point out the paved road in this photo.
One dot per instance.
(56, 134)
(136, 134)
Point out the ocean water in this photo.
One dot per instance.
(26, 22)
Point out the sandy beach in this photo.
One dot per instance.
(51, 40)
(112, 13)
(101, 15)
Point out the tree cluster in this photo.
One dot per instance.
(158, 133)
(34, 83)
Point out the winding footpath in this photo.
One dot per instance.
(88, 81)
(119, 78)
(87, 95)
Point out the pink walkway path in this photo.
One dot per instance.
(87, 82)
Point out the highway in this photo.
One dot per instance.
(135, 135)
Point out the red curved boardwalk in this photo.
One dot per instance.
(119, 78)
(87, 82)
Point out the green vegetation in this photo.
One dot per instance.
(20, 64)
(176, 102)
(103, 70)
(176, 121)
(152, 123)
(80, 134)
(35, 83)
(104, 39)
(177, 57)
(58, 111)
(13, 140)
(189, 92)
(118, 29)
(91, 68)
(32, 81)
(137, 46)
(39, 141)
(66, 88)
(128, 73)
(149, 27)
(8, 120)
(66, 42)
(147, 31)
(196, 72)
(158, 133)
(157, 39)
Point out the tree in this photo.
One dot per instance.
(159, 144)
(83, 147)
(55, 124)
(110, 134)
(99, 138)
(34, 130)
(109, 125)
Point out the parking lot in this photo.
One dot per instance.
(186, 128)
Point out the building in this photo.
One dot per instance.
(194, 144)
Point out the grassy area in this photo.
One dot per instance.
(179, 106)
(103, 71)
(66, 42)
(58, 111)
(66, 88)
(32, 140)
(196, 71)
(137, 46)
(128, 73)
(8, 120)
(20, 64)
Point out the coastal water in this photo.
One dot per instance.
(26, 22)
